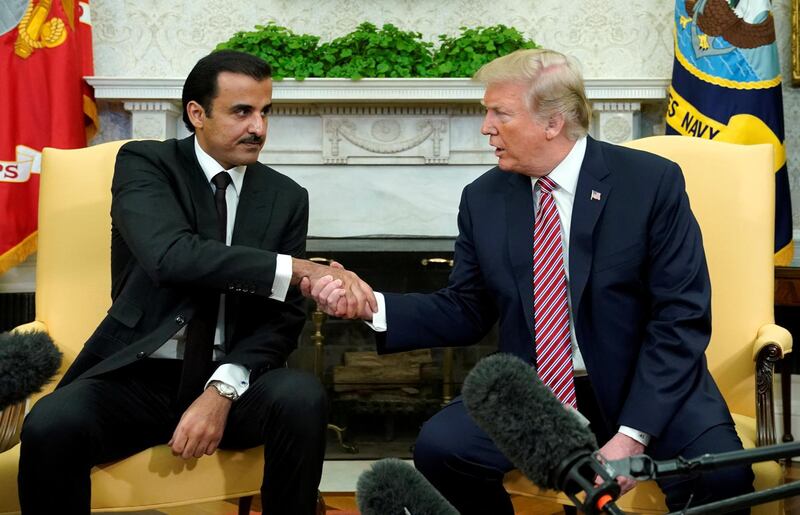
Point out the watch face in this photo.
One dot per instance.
(225, 390)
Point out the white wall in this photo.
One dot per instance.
(612, 38)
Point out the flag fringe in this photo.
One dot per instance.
(18, 253)
(785, 255)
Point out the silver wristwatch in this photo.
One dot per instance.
(224, 389)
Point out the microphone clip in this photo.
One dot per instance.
(576, 474)
(642, 467)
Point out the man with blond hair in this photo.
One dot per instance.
(590, 258)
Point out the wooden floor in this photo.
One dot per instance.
(792, 505)
(341, 504)
(344, 504)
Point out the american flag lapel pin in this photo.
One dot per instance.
(595, 195)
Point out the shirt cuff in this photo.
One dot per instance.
(378, 323)
(283, 276)
(235, 376)
(640, 436)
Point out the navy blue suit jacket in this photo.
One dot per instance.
(641, 297)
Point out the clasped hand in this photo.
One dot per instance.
(339, 292)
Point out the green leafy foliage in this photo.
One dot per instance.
(289, 54)
(463, 55)
(369, 52)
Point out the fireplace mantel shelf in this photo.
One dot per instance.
(370, 90)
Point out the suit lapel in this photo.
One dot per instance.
(519, 216)
(256, 201)
(201, 193)
(591, 195)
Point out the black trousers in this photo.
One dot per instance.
(463, 463)
(106, 418)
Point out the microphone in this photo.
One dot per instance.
(539, 436)
(27, 362)
(393, 487)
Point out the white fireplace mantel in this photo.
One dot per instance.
(371, 90)
(154, 103)
(380, 158)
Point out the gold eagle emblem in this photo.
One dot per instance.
(716, 18)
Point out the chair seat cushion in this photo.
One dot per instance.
(154, 478)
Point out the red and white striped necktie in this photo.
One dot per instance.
(551, 310)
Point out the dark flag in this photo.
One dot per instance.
(726, 86)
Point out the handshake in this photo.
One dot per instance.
(337, 292)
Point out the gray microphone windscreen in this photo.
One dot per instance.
(27, 362)
(528, 424)
(393, 487)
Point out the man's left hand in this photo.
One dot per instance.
(200, 428)
(621, 446)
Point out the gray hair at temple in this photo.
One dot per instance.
(556, 86)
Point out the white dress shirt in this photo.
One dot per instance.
(237, 376)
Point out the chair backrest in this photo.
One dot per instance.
(73, 264)
(731, 189)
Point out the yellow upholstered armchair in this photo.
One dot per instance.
(72, 295)
(732, 193)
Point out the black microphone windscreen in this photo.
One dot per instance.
(528, 424)
(393, 487)
(27, 362)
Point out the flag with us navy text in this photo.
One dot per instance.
(726, 86)
(45, 51)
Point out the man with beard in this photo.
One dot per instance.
(206, 243)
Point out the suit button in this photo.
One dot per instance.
(180, 320)
(140, 355)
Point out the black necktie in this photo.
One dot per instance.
(199, 350)
(221, 182)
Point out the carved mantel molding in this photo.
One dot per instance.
(154, 104)
(371, 90)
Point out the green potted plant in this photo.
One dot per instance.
(289, 54)
(367, 51)
(372, 52)
(463, 55)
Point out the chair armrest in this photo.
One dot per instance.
(771, 334)
(11, 417)
(772, 343)
(36, 325)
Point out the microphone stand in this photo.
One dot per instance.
(644, 468)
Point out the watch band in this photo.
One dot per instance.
(224, 390)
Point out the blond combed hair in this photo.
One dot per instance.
(555, 86)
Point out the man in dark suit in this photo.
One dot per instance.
(205, 244)
(589, 257)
